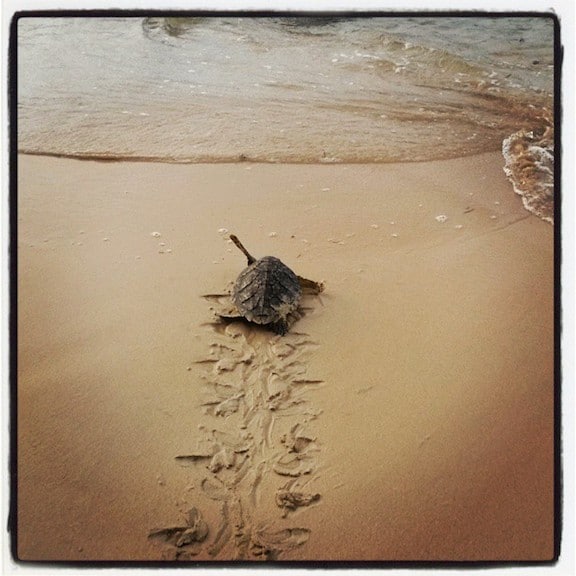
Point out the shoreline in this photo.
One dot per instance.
(239, 159)
(423, 377)
(531, 192)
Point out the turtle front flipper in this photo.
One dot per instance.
(240, 246)
(311, 286)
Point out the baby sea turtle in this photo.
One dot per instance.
(267, 292)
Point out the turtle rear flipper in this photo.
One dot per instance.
(280, 327)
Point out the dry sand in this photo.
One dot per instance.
(407, 416)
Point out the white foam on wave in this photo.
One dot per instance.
(529, 165)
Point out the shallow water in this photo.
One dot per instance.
(291, 89)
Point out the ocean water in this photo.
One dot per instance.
(292, 89)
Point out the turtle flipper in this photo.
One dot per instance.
(311, 286)
(240, 246)
(280, 327)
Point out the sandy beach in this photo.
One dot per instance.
(407, 416)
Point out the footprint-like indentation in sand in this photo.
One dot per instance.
(290, 500)
(186, 539)
(256, 432)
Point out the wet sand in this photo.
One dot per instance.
(407, 416)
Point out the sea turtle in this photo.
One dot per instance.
(267, 292)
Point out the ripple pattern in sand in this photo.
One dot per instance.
(255, 446)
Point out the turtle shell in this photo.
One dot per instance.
(266, 292)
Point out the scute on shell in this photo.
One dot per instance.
(267, 291)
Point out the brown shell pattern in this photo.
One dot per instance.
(266, 291)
